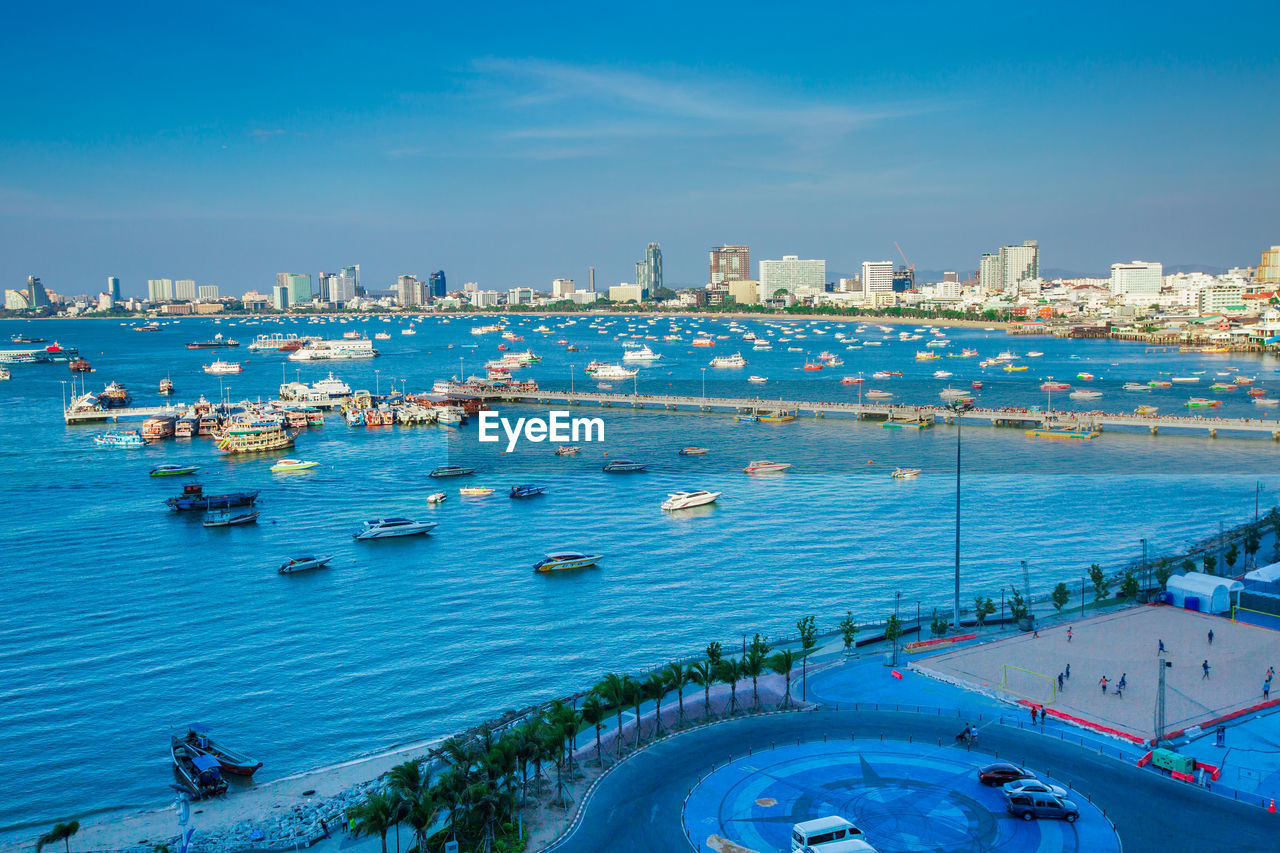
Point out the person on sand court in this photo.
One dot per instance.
(1211, 636)
(1059, 681)
(1205, 666)
(1068, 634)
(1103, 682)
(1160, 650)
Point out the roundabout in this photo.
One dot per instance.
(903, 796)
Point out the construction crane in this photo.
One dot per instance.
(908, 270)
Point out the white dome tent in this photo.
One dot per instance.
(1211, 593)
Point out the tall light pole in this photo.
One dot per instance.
(1145, 580)
(958, 408)
(704, 385)
(377, 383)
(1163, 664)
(897, 598)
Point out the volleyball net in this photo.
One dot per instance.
(1255, 617)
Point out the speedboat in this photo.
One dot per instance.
(1186, 380)
(451, 471)
(1085, 395)
(568, 450)
(693, 451)
(1084, 377)
(746, 417)
(555, 561)
(1202, 403)
(1054, 386)
(950, 393)
(120, 438)
(1136, 386)
(623, 466)
(763, 466)
(303, 564)
(385, 528)
(689, 499)
(227, 518)
(284, 466)
(174, 470)
(1146, 410)
(851, 380)
(436, 498)
(475, 491)
(905, 473)
(877, 395)
(757, 380)
(526, 491)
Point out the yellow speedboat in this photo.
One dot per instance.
(1014, 368)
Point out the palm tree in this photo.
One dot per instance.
(635, 698)
(419, 811)
(753, 665)
(593, 711)
(654, 687)
(782, 663)
(676, 680)
(63, 832)
(702, 672)
(613, 690)
(730, 672)
(372, 816)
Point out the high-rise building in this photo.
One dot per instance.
(950, 277)
(591, 279)
(1138, 281)
(730, 263)
(520, 296)
(562, 288)
(792, 274)
(36, 296)
(113, 288)
(990, 276)
(16, 300)
(184, 289)
(1268, 271)
(649, 271)
(207, 292)
(1019, 264)
(436, 286)
(626, 293)
(353, 272)
(410, 292)
(160, 290)
(877, 277)
(342, 289)
(471, 287)
(298, 285)
(280, 297)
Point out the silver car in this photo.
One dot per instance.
(1031, 806)
(1032, 786)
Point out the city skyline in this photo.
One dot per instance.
(572, 153)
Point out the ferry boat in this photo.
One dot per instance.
(194, 498)
(623, 466)
(641, 354)
(120, 438)
(764, 466)
(735, 360)
(568, 450)
(327, 390)
(689, 499)
(451, 471)
(227, 518)
(220, 366)
(905, 473)
(218, 342)
(278, 342)
(285, 466)
(606, 372)
(166, 386)
(114, 396)
(186, 426)
(305, 563)
(174, 470)
(1062, 432)
(158, 427)
(927, 355)
(387, 528)
(557, 561)
(80, 365)
(331, 350)
(526, 491)
(692, 451)
(275, 437)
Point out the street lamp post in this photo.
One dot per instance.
(704, 386)
(377, 383)
(1163, 664)
(958, 408)
(1146, 581)
(897, 599)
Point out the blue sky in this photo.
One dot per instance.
(512, 144)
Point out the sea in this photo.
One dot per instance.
(123, 620)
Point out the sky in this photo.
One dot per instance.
(510, 144)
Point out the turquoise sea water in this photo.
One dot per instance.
(123, 620)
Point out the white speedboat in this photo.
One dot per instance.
(689, 499)
(877, 395)
(385, 528)
(757, 380)
(303, 564)
(285, 466)
(555, 561)
(436, 498)
(763, 466)
(1085, 395)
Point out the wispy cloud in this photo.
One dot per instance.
(266, 133)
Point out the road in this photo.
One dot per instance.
(638, 806)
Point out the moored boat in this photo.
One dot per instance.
(199, 773)
(526, 491)
(386, 528)
(80, 365)
(623, 466)
(475, 491)
(763, 466)
(193, 498)
(285, 466)
(120, 438)
(556, 561)
(227, 518)
(451, 471)
(174, 470)
(689, 499)
(568, 450)
(905, 473)
(229, 760)
(302, 564)
(693, 451)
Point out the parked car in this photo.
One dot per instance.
(828, 835)
(1001, 772)
(1033, 786)
(1030, 806)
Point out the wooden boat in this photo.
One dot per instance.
(226, 518)
(693, 451)
(197, 772)
(229, 760)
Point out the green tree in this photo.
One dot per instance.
(1100, 583)
(703, 673)
(982, 608)
(1164, 571)
(715, 654)
(1129, 586)
(655, 686)
(593, 713)
(676, 680)
(892, 631)
(1017, 605)
(1229, 558)
(1188, 565)
(848, 630)
(1061, 595)
(808, 629)
(754, 663)
(613, 690)
(1210, 563)
(783, 663)
(1252, 541)
(63, 832)
(938, 625)
(635, 698)
(373, 817)
(730, 673)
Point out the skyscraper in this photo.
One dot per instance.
(342, 289)
(280, 297)
(1269, 267)
(113, 288)
(436, 287)
(298, 285)
(353, 272)
(1019, 263)
(207, 292)
(36, 297)
(409, 291)
(1138, 281)
(990, 276)
(160, 290)
(184, 288)
(591, 279)
(877, 277)
(792, 274)
(562, 288)
(730, 263)
(649, 271)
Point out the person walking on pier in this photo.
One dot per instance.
(1068, 672)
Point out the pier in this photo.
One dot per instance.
(1024, 418)
(124, 413)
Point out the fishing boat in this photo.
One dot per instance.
(735, 360)
(200, 774)
(475, 491)
(757, 380)
(568, 450)
(303, 564)
(526, 491)
(558, 561)
(120, 438)
(229, 760)
(387, 528)
(623, 466)
(813, 365)
(776, 417)
(220, 367)
(451, 471)
(1062, 432)
(905, 473)
(80, 365)
(689, 499)
(763, 466)
(692, 451)
(193, 498)
(227, 518)
(436, 498)
(174, 470)
(1257, 392)
(285, 466)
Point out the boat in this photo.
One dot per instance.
(568, 450)
(1243, 380)
(200, 774)
(157, 428)
(5, 373)
(303, 564)
(120, 438)
(1202, 403)
(230, 760)
(1034, 354)
(174, 470)
(218, 342)
(193, 498)
(221, 367)
(976, 384)
(451, 471)
(927, 355)
(80, 365)
(1257, 392)
(114, 396)
(776, 417)
(1146, 410)
(1085, 395)
(436, 498)
(851, 380)
(255, 440)
(227, 518)
(692, 451)
(1185, 380)
(641, 354)
(558, 561)
(735, 360)
(1084, 377)
(278, 342)
(147, 327)
(813, 365)
(905, 473)
(606, 372)
(942, 374)
(336, 350)
(1135, 386)
(285, 466)
(950, 393)
(703, 342)
(386, 528)
(757, 380)
(623, 466)
(877, 395)
(1014, 368)
(689, 499)
(763, 466)
(475, 491)
(1062, 432)
(1265, 402)
(526, 491)
(746, 417)
(1160, 383)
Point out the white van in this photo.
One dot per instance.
(828, 835)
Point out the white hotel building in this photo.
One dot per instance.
(792, 275)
